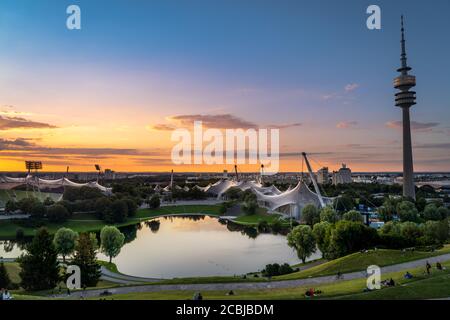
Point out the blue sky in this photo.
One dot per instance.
(268, 62)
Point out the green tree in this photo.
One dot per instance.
(431, 212)
(322, 234)
(407, 211)
(411, 231)
(391, 228)
(353, 215)
(5, 281)
(302, 240)
(102, 207)
(85, 258)
(26, 204)
(329, 214)
(154, 202)
(111, 241)
(436, 232)
(48, 201)
(444, 212)
(57, 213)
(344, 203)
(348, 237)
(11, 206)
(39, 266)
(131, 206)
(388, 209)
(250, 206)
(310, 215)
(38, 210)
(64, 241)
(118, 212)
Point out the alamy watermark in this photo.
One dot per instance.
(373, 277)
(227, 146)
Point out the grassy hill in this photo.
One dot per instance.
(360, 261)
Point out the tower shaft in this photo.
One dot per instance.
(408, 169)
(405, 99)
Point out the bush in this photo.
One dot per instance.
(38, 210)
(11, 206)
(132, 207)
(411, 231)
(310, 215)
(348, 237)
(436, 232)
(154, 202)
(102, 207)
(353, 215)
(48, 201)
(118, 212)
(407, 211)
(328, 214)
(57, 213)
(431, 213)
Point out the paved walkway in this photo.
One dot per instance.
(256, 285)
(13, 216)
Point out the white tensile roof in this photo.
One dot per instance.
(299, 196)
(10, 183)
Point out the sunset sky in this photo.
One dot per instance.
(112, 92)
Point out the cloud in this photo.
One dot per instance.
(346, 124)
(284, 126)
(161, 127)
(8, 123)
(416, 126)
(351, 87)
(220, 121)
(14, 144)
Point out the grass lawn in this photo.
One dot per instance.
(260, 215)
(437, 285)
(13, 269)
(88, 222)
(360, 261)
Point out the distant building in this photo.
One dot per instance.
(110, 174)
(344, 175)
(323, 176)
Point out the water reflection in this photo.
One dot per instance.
(183, 246)
(191, 246)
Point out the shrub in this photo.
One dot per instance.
(118, 212)
(353, 215)
(57, 213)
(329, 214)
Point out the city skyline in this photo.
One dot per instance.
(99, 95)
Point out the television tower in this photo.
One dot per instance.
(405, 99)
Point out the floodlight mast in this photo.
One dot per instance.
(99, 169)
(262, 174)
(311, 175)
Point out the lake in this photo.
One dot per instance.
(195, 246)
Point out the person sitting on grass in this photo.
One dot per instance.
(309, 293)
(6, 295)
(439, 266)
(408, 275)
